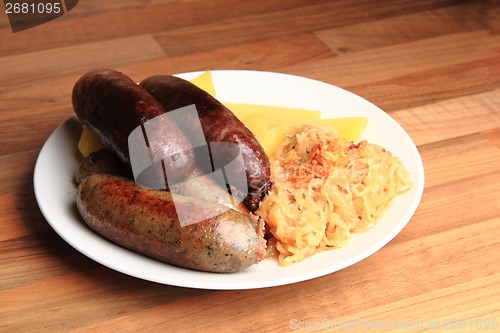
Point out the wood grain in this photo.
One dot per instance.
(432, 65)
(60, 61)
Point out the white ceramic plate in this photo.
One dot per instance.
(55, 190)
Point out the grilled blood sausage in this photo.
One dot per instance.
(113, 105)
(146, 221)
(219, 124)
(101, 161)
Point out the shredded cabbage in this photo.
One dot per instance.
(325, 188)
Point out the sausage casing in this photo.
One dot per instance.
(146, 221)
(101, 161)
(113, 105)
(197, 185)
(219, 125)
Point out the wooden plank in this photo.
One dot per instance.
(84, 24)
(433, 85)
(93, 7)
(36, 98)
(16, 173)
(438, 310)
(450, 205)
(493, 136)
(404, 28)
(492, 15)
(33, 258)
(14, 131)
(399, 60)
(267, 25)
(84, 57)
(459, 158)
(451, 118)
(20, 215)
(104, 293)
(264, 55)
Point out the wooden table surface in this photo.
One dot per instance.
(434, 66)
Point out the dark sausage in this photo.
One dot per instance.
(146, 221)
(101, 161)
(113, 105)
(219, 125)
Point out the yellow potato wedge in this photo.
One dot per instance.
(204, 81)
(271, 133)
(89, 142)
(245, 111)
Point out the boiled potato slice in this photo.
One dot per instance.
(205, 82)
(273, 137)
(245, 111)
(271, 133)
(89, 142)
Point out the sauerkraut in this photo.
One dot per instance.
(325, 188)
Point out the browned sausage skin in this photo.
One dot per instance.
(219, 125)
(146, 221)
(113, 105)
(195, 186)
